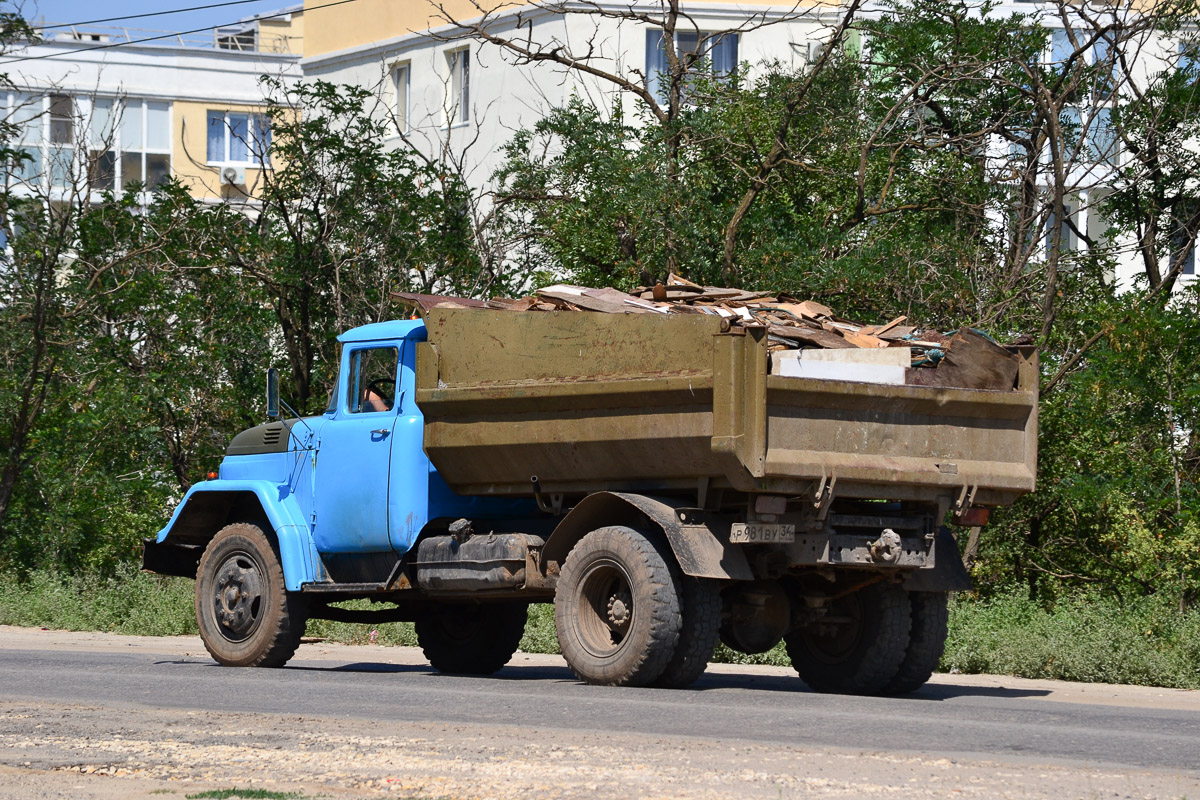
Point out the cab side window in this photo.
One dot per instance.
(372, 386)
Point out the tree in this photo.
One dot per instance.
(342, 222)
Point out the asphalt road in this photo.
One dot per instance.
(1008, 722)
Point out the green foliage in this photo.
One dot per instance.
(399, 634)
(344, 222)
(150, 351)
(1118, 499)
(540, 634)
(129, 602)
(1081, 638)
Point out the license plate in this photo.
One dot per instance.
(762, 533)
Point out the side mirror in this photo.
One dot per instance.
(272, 393)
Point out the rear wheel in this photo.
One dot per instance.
(926, 643)
(246, 616)
(617, 608)
(471, 639)
(700, 629)
(858, 646)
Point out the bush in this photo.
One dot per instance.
(129, 602)
(1082, 638)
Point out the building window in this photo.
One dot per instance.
(238, 138)
(1090, 122)
(458, 110)
(1189, 57)
(102, 139)
(1189, 261)
(114, 142)
(400, 84)
(25, 111)
(721, 52)
(61, 150)
(145, 143)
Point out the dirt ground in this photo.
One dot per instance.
(111, 752)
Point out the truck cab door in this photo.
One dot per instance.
(350, 496)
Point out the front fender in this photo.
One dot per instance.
(209, 506)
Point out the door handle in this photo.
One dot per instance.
(381, 431)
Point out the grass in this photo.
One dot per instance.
(1084, 638)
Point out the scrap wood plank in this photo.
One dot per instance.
(807, 309)
(859, 339)
(626, 301)
(815, 336)
(679, 280)
(563, 294)
(879, 330)
(896, 333)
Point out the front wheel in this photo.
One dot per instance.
(858, 646)
(246, 616)
(471, 639)
(617, 608)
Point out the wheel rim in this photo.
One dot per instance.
(831, 639)
(238, 597)
(606, 610)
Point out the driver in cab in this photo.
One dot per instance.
(374, 401)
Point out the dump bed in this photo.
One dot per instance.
(661, 403)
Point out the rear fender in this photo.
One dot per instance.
(211, 505)
(700, 551)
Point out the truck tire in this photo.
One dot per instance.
(698, 634)
(926, 642)
(247, 618)
(860, 648)
(471, 639)
(617, 608)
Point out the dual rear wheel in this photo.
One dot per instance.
(627, 616)
(878, 640)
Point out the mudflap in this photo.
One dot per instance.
(948, 574)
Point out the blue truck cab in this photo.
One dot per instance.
(328, 507)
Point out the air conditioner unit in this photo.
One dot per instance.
(233, 175)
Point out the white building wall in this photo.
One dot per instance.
(507, 97)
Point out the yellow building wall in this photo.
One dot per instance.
(189, 157)
(365, 21)
(282, 35)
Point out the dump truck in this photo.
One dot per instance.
(648, 474)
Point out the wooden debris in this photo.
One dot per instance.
(879, 330)
(859, 339)
(814, 336)
(968, 359)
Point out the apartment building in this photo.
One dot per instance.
(445, 92)
(111, 109)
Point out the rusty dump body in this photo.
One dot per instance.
(680, 403)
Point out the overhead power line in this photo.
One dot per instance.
(148, 14)
(17, 60)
